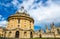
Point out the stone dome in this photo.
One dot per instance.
(22, 14)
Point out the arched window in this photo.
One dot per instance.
(17, 34)
(9, 33)
(31, 34)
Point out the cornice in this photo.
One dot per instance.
(21, 17)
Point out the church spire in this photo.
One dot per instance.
(52, 25)
(46, 26)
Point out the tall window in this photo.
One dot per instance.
(9, 33)
(18, 20)
(17, 34)
(24, 23)
(30, 24)
(31, 34)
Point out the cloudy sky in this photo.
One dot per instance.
(44, 12)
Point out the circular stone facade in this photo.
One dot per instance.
(20, 20)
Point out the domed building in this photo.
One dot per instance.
(20, 25)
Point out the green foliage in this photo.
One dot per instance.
(27, 38)
(44, 38)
